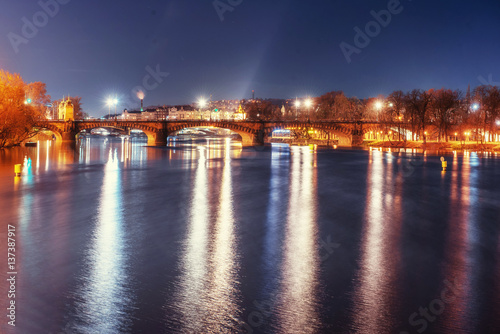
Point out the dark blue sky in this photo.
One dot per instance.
(281, 49)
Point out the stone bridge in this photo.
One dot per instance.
(348, 133)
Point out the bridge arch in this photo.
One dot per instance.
(343, 133)
(248, 135)
(54, 129)
(154, 134)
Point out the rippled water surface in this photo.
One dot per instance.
(115, 237)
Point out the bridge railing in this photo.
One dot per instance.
(226, 121)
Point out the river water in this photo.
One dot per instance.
(111, 236)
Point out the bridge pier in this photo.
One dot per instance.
(247, 141)
(357, 140)
(156, 138)
(357, 135)
(69, 136)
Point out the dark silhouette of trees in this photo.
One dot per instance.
(417, 111)
(444, 105)
(261, 110)
(326, 105)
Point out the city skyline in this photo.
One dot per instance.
(178, 52)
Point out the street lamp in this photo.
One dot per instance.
(109, 102)
(378, 106)
(308, 104)
(115, 102)
(475, 106)
(202, 103)
(297, 105)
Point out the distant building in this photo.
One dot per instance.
(131, 115)
(182, 112)
(227, 110)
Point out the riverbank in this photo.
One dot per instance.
(430, 145)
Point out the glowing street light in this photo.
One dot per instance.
(115, 102)
(378, 106)
(308, 104)
(109, 102)
(202, 103)
(475, 106)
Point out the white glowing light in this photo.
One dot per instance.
(202, 103)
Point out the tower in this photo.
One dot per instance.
(240, 114)
(253, 94)
(66, 110)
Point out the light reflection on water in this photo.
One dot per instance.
(298, 306)
(379, 259)
(275, 220)
(223, 293)
(104, 296)
(456, 270)
(208, 287)
(83, 260)
(194, 266)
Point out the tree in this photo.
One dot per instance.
(345, 109)
(417, 106)
(21, 106)
(488, 100)
(396, 102)
(326, 105)
(444, 105)
(261, 110)
(37, 93)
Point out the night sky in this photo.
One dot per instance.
(281, 49)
